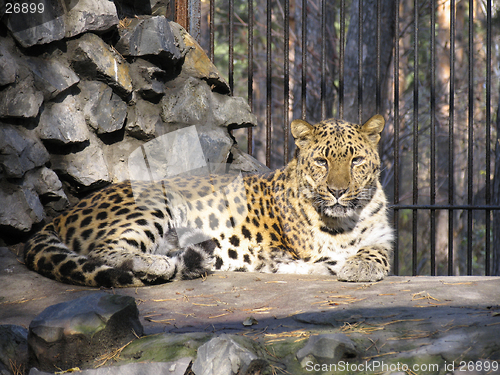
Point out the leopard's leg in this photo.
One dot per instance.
(113, 263)
(48, 255)
(148, 268)
(189, 262)
(370, 263)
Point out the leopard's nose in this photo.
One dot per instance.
(337, 193)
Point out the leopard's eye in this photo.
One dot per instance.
(321, 162)
(357, 160)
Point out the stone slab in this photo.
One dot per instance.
(447, 317)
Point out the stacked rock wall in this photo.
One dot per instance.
(81, 88)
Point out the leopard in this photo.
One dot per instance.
(323, 213)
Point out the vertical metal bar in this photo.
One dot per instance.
(396, 137)
(470, 151)
(451, 168)
(341, 59)
(487, 255)
(250, 72)
(195, 19)
(323, 59)
(378, 87)
(182, 13)
(268, 83)
(415, 140)
(231, 45)
(360, 63)
(212, 30)
(286, 88)
(304, 60)
(433, 137)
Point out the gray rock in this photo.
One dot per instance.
(148, 79)
(20, 151)
(196, 63)
(63, 122)
(13, 346)
(327, 348)
(224, 356)
(48, 187)
(149, 36)
(39, 27)
(246, 163)
(23, 208)
(4, 370)
(178, 367)
(8, 66)
(165, 156)
(192, 102)
(51, 76)
(117, 155)
(74, 333)
(61, 19)
(216, 145)
(94, 59)
(104, 111)
(87, 168)
(162, 8)
(187, 104)
(21, 98)
(90, 15)
(142, 120)
(232, 112)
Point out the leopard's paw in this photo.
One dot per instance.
(357, 269)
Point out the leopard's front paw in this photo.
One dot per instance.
(361, 270)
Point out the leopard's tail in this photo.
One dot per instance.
(46, 254)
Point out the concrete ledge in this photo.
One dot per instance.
(449, 317)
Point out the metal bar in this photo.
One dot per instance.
(286, 78)
(378, 88)
(451, 169)
(195, 19)
(470, 151)
(212, 30)
(396, 137)
(360, 63)
(323, 59)
(250, 73)
(268, 83)
(231, 46)
(433, 137)
(304, 61)
(341, 59)
(487, 255)
(415, 140)
(182, 13)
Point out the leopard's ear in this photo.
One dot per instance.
(302, 132)
(373, 127)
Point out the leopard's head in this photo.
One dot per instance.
(338, 165)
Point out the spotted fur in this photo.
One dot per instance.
(324, 213)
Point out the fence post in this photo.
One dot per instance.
(188, 15)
